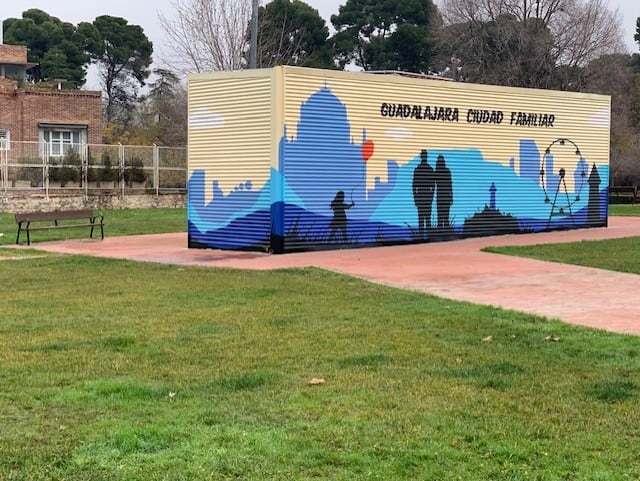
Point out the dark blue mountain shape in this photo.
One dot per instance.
(222, 209)
(216, 224)
(307, 229)
(254, 228)
(579, 217)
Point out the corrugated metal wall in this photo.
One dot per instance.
(511, 160)
(291, 159)
(230, 154)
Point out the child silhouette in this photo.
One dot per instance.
(339, 221)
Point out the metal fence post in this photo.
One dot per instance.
(85, 170)
(45, 169)
(121, 168)
(4, 168)
(156, 169)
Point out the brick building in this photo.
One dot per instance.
(44, 112)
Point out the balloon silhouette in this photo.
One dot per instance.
(367, 150)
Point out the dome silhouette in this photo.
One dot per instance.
(323, 117)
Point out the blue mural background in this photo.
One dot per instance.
(293, 209)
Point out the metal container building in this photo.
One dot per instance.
(290, 159)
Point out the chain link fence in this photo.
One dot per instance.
(92, 168)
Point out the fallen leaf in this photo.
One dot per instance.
(487, 339)
(458, 360)
(552, 338)
(316, 381)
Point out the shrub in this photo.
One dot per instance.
(107, 173)
(134, 171)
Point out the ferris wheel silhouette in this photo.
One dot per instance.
(562, 203)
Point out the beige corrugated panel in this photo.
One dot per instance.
(230, 139)
(487, 124)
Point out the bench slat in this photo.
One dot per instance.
(618, 192)
(63, 226)
(55, 215)
(25, 219)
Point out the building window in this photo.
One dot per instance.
(15, 72)
(5, 139)
(61, 139)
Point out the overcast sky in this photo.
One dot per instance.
(145, 13)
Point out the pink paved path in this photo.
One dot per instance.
(456, 270)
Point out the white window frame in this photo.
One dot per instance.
(5, 139)
(60, 139)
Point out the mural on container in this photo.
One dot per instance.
(321, 194)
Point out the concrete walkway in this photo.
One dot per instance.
(456, 270)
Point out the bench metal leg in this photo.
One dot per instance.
(26, 229)
(93, 225)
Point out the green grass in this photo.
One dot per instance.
(90, 350)
(612, 254)
(111, 370)
(621, 255)
(624, 209)
(117, 222)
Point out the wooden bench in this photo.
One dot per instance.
(25, 221)
(619, 192)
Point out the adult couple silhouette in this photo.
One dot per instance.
(428, 183)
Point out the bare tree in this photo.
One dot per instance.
(504, 51)
(586, 33)
(614, 75)
(206, 35)
(562, 36)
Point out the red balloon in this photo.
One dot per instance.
(367, 149)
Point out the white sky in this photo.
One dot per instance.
(145, 13)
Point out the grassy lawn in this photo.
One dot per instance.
(117, 222)
(613, 254)
(621, 255)
(113, 370)
(624, 209)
